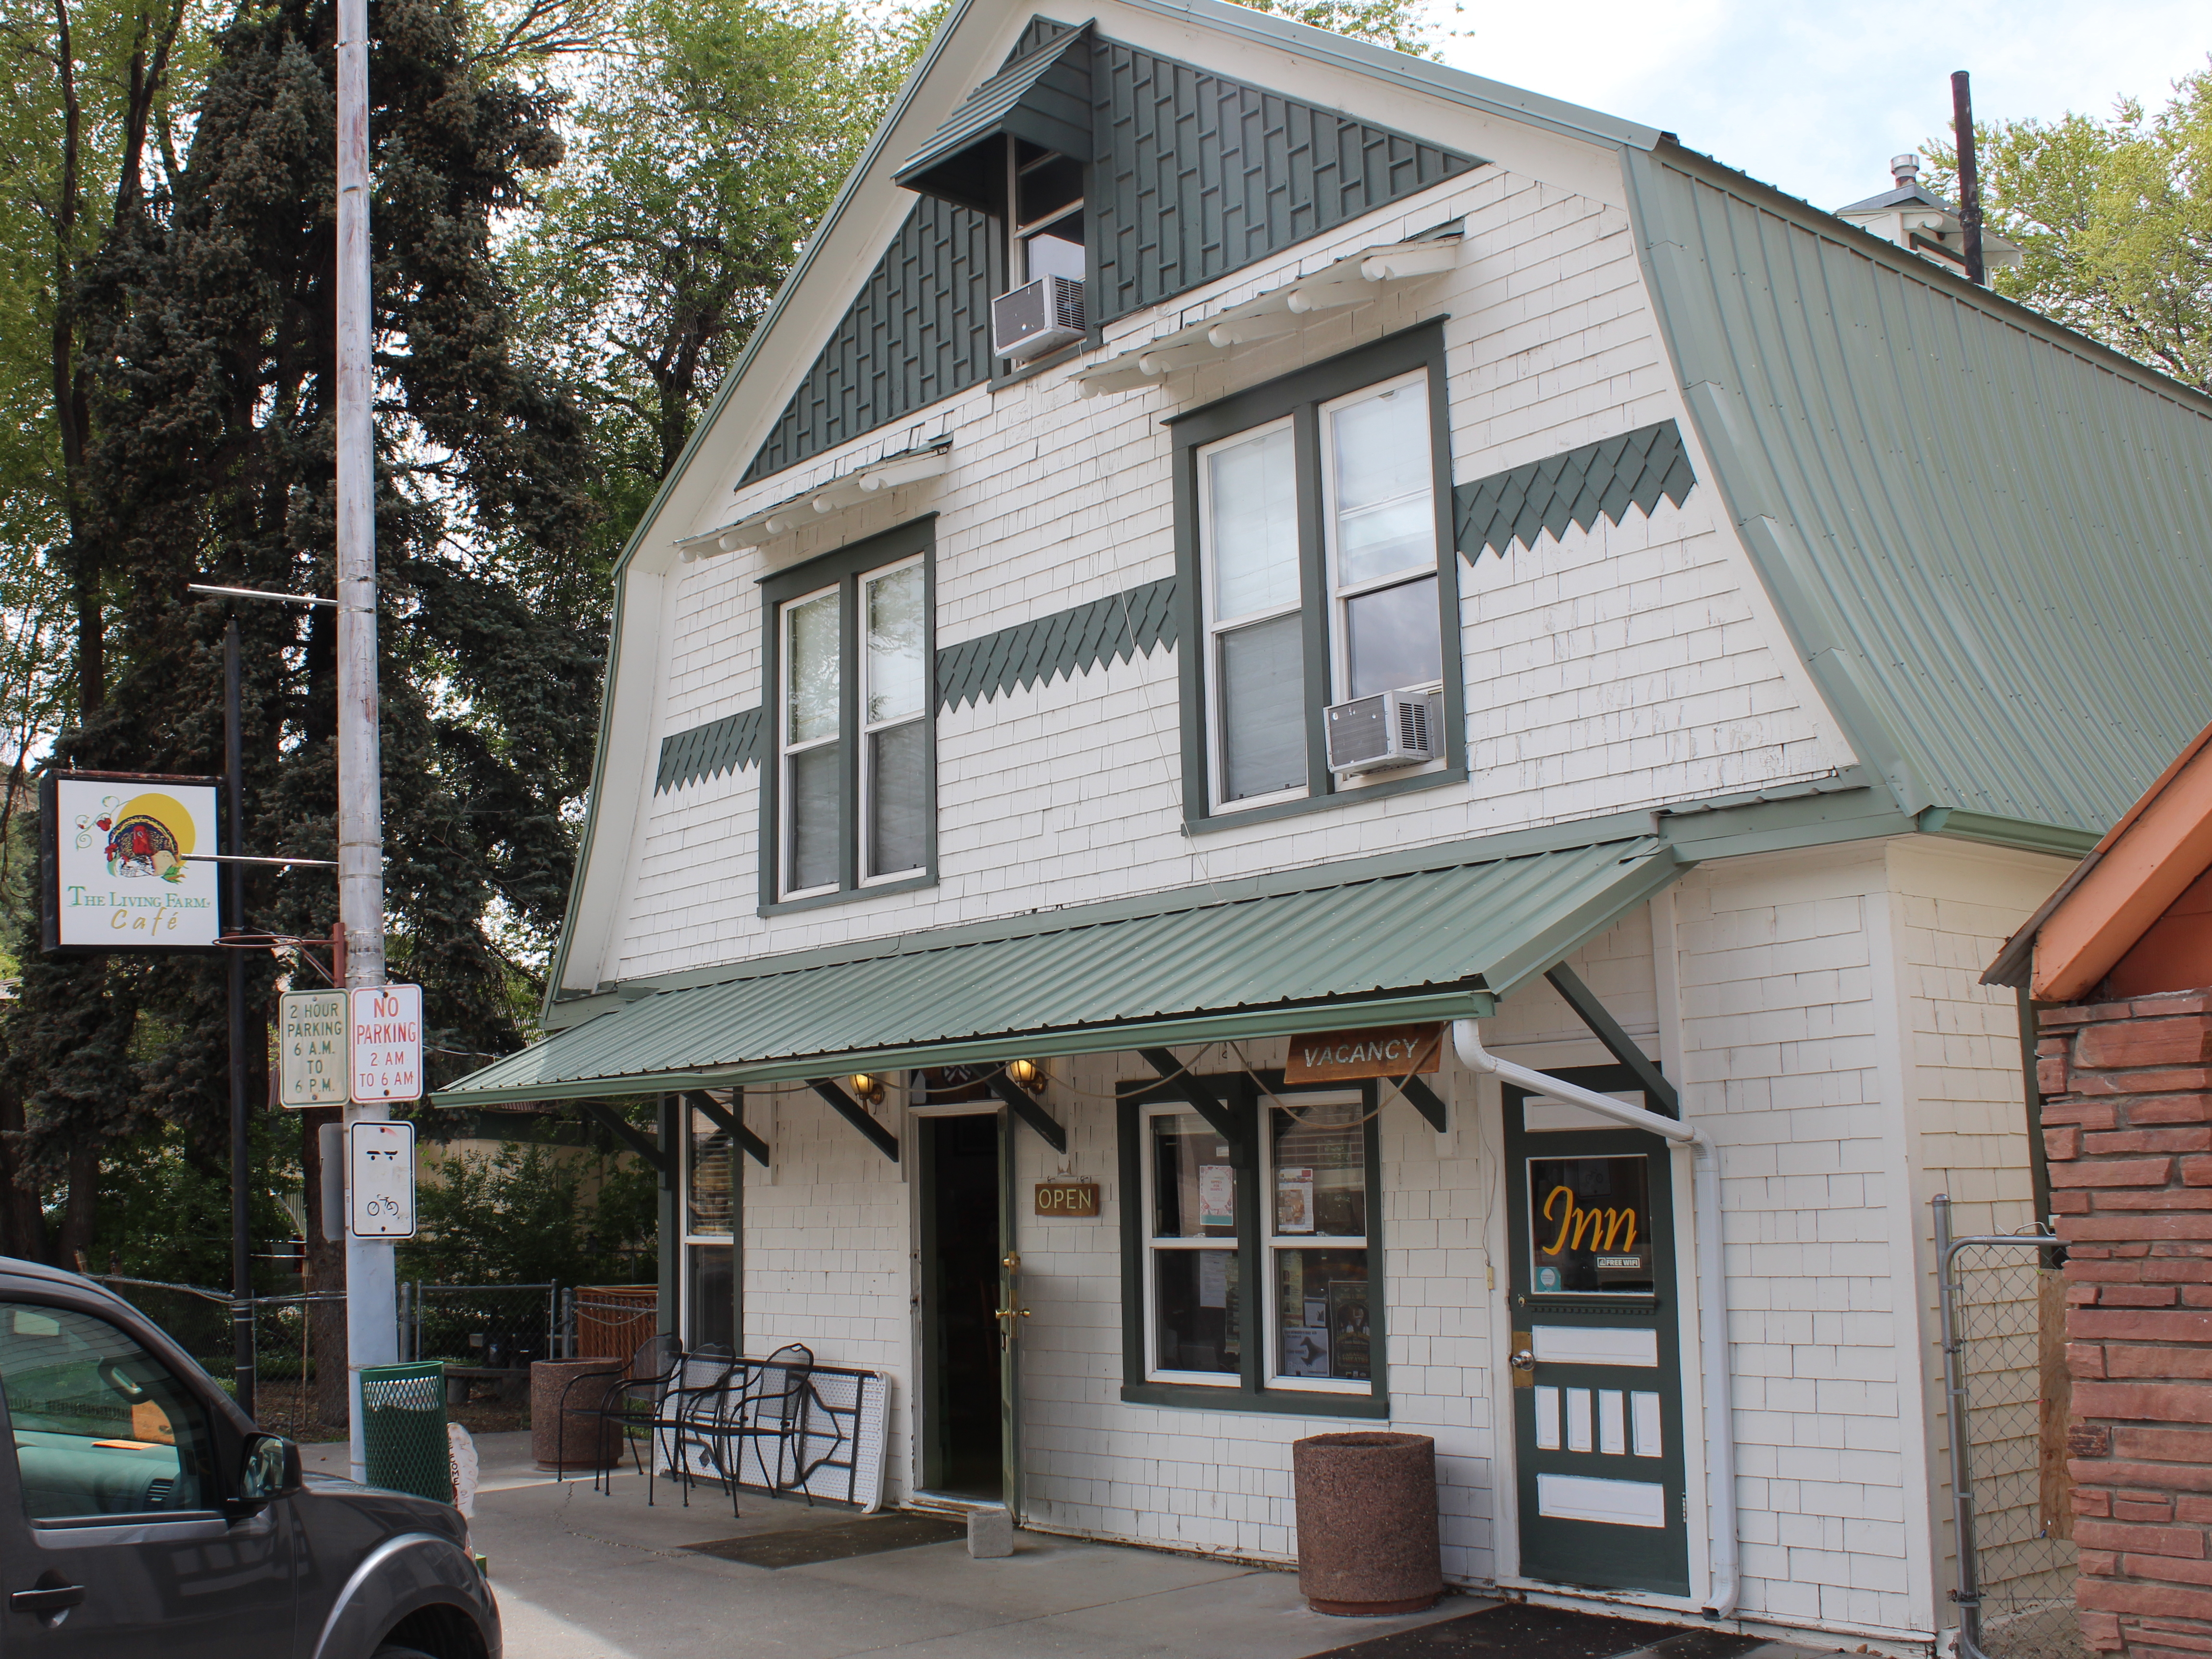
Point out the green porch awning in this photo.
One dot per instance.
(1431, 944)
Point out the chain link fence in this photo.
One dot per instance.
(2005, 1384)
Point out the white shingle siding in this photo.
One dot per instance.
(1623, 667)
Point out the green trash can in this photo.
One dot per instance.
(403, 1429)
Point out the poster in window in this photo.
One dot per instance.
(1305, 1351)
(1217, 1196)
(1347, 1327)
(1294, 1200)
(1213, 1278)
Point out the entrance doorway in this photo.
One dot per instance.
(1596, 1366)
(966, 1423)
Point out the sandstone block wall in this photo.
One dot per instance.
(2127, 1116)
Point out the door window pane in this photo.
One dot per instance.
(1320, 1161)
(1393, 638)
(810, 671)
(1589, 1225)
(894, 638)
(1320, 1313)
(101, 1427)
(1263, 725)
(1253, 523)
(813, 782)
(1193, 1182)
(710, 1295)
(709, 1172)
(898, 794)
(1199, 1324)
(1382, 474)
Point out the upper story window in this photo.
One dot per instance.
(1047, 223)
(851, 805)
(1317, 518)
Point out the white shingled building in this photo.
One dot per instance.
(1246, 578)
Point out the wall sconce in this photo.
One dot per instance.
(867, 1087)
(1027, 1075)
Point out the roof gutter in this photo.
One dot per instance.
(1723, 1577)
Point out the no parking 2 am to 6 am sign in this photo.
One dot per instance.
(386, 1038)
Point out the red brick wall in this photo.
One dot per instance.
(2127, 1117)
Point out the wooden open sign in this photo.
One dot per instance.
(1075, 1198)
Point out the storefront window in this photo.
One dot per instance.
(1255, 1269)
(1317, 1170)
(710, 1178)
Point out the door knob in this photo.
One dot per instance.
(1523, 1361)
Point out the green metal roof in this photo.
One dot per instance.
(1992, 537)
(1429, 944)
(1027, 99)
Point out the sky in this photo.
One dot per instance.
(1816, 95)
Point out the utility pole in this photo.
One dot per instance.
(371, 1329)
(1970, 182)
(242, 1215)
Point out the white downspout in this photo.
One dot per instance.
(1713, 1287)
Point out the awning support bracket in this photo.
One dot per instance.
(1425, 1101)
(1227, 1122)
(605, 1117)
(856, 1114)
(1028, 1107)
(1622, 1047)
(730, 1124)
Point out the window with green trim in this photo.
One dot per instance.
(849, 801)
(1252, 1271)
(1314, 530)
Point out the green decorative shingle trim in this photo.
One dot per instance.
(1602, 480)
(730, 743)
(1111, 630)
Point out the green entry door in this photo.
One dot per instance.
(1597, 1370)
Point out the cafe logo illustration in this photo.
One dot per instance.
(125, 872)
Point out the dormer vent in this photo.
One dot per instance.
(1905, 169)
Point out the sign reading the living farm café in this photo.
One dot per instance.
(1076, 1198)
(1381, 1051)
(125, 862)
(387, 1043)
(311, 1049)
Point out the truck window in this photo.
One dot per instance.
(101, 1427)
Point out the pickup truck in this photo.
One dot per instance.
(142, 1512)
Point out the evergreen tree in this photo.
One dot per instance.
(214, 461)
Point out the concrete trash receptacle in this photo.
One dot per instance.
(1367, 1522)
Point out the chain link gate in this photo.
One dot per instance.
(2004, 1384)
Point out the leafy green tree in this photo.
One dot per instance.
(533, 1214)
(1401, 25)
(2116, 218)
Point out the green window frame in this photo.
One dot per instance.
(1254, 1245)
(867, 733)
(1286, 429)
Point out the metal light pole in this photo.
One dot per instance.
(242, 1241)
(372, 1333)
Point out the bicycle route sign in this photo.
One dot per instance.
(380, 1180)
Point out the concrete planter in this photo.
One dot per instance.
(1367, 1522)
(589, 1442)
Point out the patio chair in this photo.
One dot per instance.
(626, 1396)
(694, 1390)
(769, 1404)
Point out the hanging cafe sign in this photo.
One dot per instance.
(125, 861)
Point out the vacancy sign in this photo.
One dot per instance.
(311, 1046)
(380, 1179)
(386, 1036)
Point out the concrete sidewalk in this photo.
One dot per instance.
(584, 1576)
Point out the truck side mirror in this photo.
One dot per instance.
(269, 1470)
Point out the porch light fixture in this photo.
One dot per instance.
(1027, 1075)
(866, 1086)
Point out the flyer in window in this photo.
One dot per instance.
(1294, 1200)
(1213, 1278)
(1305, 1351)
(1217, 1196)
(1347, 1327)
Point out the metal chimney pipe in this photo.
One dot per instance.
(1970, 182)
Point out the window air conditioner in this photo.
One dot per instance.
(1036, 317)
(1391, 728)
